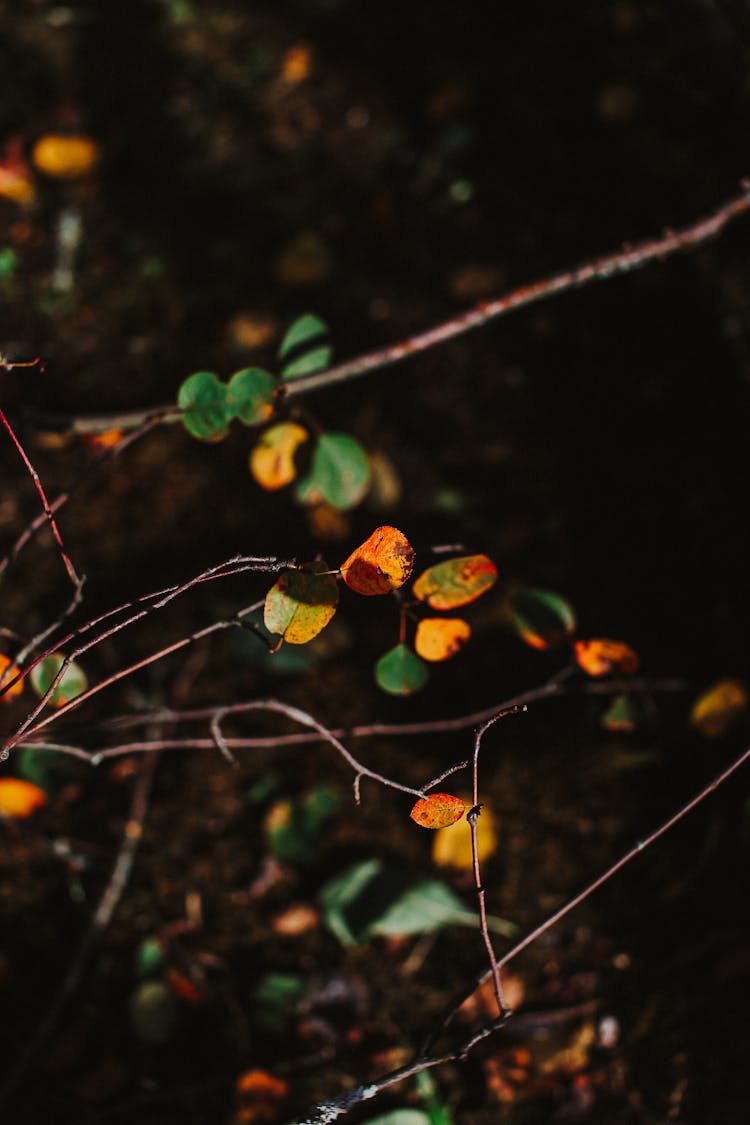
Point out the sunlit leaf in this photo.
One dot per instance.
(18, 798)
(400, 671)
(439, 638)
(301, 603)
(63, 156)
(621, 715)
(541, 618)
(719, 708)
(72, 683)
(438, 810)
(601, 656)
(452, 846)
(250, 395)
(339, 473)
(381, 564)
(456, 582)
(203, 401)
(305, 348)
(272, 459)
(8, 672)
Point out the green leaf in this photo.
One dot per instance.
(301, 603)
(149, 958)
(456, 582)
(541, 618)
(294, 829)
(72, 683)
(305, 348)
(275, 1000)
(203, 401)
(369, 900)
(427, 1089)
(250, 395)
(339, 473)
(400, 671)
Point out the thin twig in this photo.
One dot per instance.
(598, 269)
(71, 570)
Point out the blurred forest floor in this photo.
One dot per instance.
(385, 166)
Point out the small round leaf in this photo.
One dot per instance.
(250, 395)
(452, 847)
(456, 582)
(272, 459)
(305, 348)
(339, 473)
(400, 671)
(203, 401)
(381, 564)
(439, 638)
(438, 810)
(542, 619)
(301, 603)
(72, 683)
(621, 715)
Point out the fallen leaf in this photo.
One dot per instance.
(7, 672)
(19, 799)
(452, 846)
(63, 156)
(381, 564)
(719, 708)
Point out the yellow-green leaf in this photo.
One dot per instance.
(301, 603)
(454, 583)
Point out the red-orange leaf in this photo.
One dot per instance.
(600, 656)
(381, 564)
(19, 798)
(8, 672)
(438, 810)
(456, 582)
(439, 638)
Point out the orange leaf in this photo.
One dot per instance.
(261, 1084)
(15, 174)
(438, 810)
(272, 459)
(7, 672)
(439, 638)
(456, 582)
(65, 157)
(381, 564)
(19, 798)
(600, 656)
(105, 439)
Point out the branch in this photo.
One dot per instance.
(598, 269)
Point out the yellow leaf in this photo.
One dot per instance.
(439, 638)
(452, 846)
(65, 156)
(719, 708)
(272, 459)
(18, 798)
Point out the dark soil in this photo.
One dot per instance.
(425, 156)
